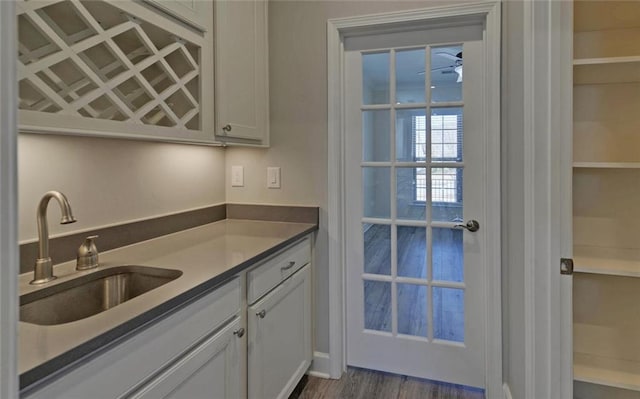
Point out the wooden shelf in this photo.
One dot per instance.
(609, 261)
(611, 70)
(607, 165)
(606, 371)
(606, 60)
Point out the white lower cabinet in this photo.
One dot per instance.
(279, 327)
(166, 353)
(206, 350)
(211, 370)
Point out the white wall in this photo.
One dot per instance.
(113, 181)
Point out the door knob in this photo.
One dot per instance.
(261, 314)
(471, 225)
(239, 332)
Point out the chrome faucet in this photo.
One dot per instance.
(43, 271)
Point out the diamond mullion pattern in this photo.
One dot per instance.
(98, 93)
(66, 90)
(168, 68)
(112, 46)
(104, 88)
(76, 48)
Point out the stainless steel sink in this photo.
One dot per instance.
(91, 294)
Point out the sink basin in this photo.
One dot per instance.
(91, 294)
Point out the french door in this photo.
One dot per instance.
(415, 205)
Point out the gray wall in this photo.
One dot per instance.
(113, 181)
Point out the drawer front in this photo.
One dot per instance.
(114, 373)
(272, 272)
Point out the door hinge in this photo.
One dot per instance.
(566, 266)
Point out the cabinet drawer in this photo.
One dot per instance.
(270, 273)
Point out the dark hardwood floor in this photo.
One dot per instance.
(368, 384)
(412, 254)
(447, 265)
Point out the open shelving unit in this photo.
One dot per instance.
(606, 195)
(607, 165)
(608, 261)
(607, 371)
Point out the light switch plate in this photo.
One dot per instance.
(237, 176)
(273, 177)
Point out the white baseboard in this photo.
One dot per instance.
(320, 365)
(507, 391)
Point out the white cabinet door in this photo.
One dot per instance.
(280, 338)
(212, 370)
(126, 71)
(241, 55)
(129, 365)
(192, 12)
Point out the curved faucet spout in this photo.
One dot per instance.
(43, 271)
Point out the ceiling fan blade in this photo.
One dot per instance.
(449, 56)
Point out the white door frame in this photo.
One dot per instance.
(548, 165)
(8, 204)
(337, 30)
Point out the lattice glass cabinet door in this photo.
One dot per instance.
(112, 69)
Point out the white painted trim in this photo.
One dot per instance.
(493, 255)
(335, 208)
(8, 204)
(529, 192)
(547, 169)
(321, 365)
(337, 29)
(562, 320)
(507, 391)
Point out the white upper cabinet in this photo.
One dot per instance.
(196, 13)
(116, 69)
(242, 98)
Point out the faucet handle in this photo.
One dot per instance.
(87, 254)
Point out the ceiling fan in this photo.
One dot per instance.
(455, 66)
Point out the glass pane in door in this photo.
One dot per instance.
(376, 185)
(410, 71)
(411, 193)
(377, 248)
(375, 78)
(447, 248)
(377, 305)
(446, 194)
(411, 135)
(412, 309)
(412, 251)
(446, 74)
(446, 134)
(448, 314)
(376, 136)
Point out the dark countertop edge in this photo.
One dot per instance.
(39, 376)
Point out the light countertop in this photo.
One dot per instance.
(207, 255)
